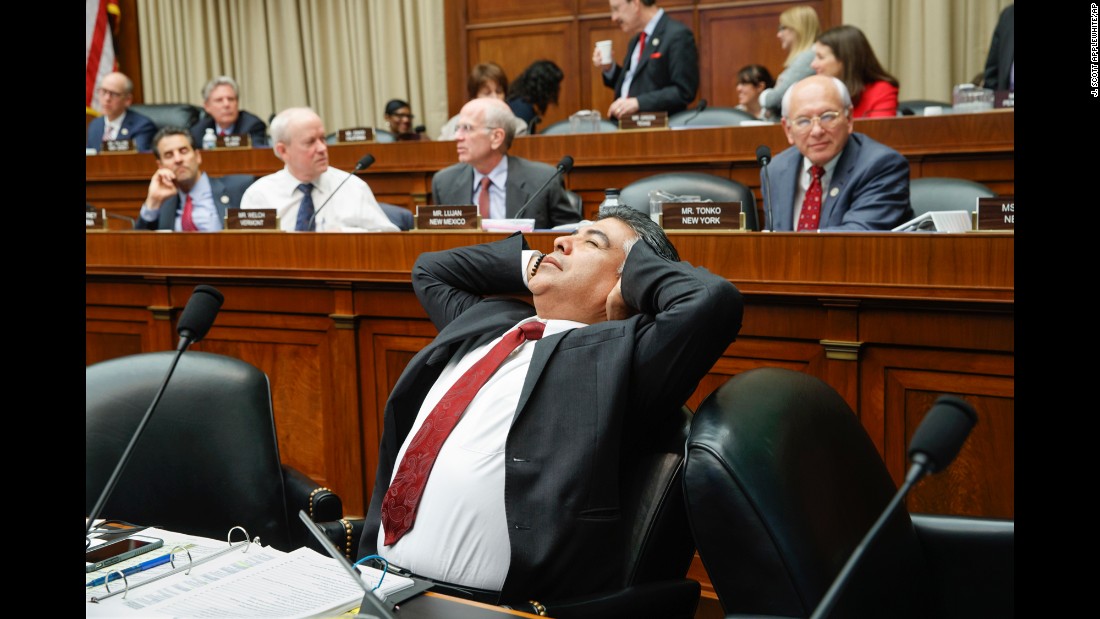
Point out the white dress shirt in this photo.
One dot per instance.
(351, 209)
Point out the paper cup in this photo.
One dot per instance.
(605, 51)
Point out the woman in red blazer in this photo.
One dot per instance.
(844, 53)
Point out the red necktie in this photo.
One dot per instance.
(186, 223)
(641, 48)
(811, 205)
(403, 497)
(483, 198)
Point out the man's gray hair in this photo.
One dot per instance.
(841, 90)
(280, 125)
(501, 116)
(219, 81)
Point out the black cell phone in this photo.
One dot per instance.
(102, 555)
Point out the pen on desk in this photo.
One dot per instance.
(134, 569)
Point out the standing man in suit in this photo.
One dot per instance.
(181, 196)
(484, 133)
(522, 501)
(1000, 64)
(661, 74)
(221, 100)
(833, 179)
(116, 93)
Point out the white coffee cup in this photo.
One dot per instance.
(605, 51)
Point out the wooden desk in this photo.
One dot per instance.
(889, 320)
(979, 147)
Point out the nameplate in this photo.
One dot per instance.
(701, 215)
(645, 120)
(251, 219)
(94, 219)
(358, 134)
(234, 140)
(118, 146)
(1003, 98)
(447, 217)
(997, 213)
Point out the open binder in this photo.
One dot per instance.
(233, 578)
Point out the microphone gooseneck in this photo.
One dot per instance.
(564, 167)
(194, 322)
(698, 108)
(764, 157)
(935, 444)
(363, 164)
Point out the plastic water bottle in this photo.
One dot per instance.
(209, 141)
(610, 198)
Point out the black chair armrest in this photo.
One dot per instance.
(669, 599)
(343, 533)
(302, 492)
(972, 561)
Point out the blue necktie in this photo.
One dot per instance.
(305, 210)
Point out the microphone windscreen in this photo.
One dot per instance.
(763, 154)
(420, 129)
(198, 315)
(702, 105)
(943, 431)
(566, 164)
(365, 162)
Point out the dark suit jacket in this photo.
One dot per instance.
(869, 189)
(668, 75)
(589, 393)
(454, 185)
(227, 192)
(136, 127)
(1001, 51)
(246, 123)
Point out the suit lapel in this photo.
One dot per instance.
(220, 196)
(841, 173)
(168, 213)
(651, 45)
(544, 349)
(515, 188)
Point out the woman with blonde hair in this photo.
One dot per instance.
(798, 28)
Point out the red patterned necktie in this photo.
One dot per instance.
(811, 205)
(403, 497)
(641, 49)
(483, 198)
(186, 223)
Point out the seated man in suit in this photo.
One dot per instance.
(221, 100)
(508, 489)
(659, 75)
(116, 93)
(304, 193)
(181, 196)
(833, 178)
(499, 183)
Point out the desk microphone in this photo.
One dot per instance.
(764, 157)
(564, 166)
(194, 322)
(363, 164)
(935, 444)
(698, 108)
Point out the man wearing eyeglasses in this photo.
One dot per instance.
(833, 179)
(115, 95)
(499, 183)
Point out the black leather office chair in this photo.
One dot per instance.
(381, 136)
(660, 544)
(933, 193)
(181, 115)
(710, 117)
(208, 459)
(782, 483)
(399, 215)
(563, 127)
(716, 188)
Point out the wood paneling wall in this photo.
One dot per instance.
(729, 35)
